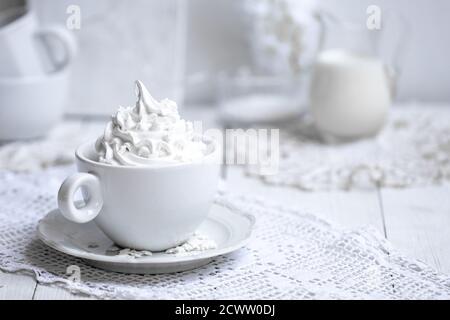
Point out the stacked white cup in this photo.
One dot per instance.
(33, 83)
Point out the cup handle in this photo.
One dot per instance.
(65, 38)
(94, 201)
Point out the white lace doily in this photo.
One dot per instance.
(292, 255)
(412, 150)
(57, 148)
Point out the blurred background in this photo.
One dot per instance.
(202, 52)
(359, 90)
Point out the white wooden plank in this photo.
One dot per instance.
(417, 223)
(345, 209)
(46, 292)
(16, 286)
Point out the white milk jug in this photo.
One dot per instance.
(351, 88)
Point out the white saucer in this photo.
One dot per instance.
(229, 229)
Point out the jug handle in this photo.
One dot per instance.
(393, 69)
(391, 78)
(320, 16)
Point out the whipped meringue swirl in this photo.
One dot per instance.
(150, 133)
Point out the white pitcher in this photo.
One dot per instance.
(351, 88)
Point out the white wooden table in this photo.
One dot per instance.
(415, 220)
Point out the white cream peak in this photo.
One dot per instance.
(150, 133)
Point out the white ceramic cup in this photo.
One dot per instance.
(144, 208)
(31, 106)
(22, 42)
